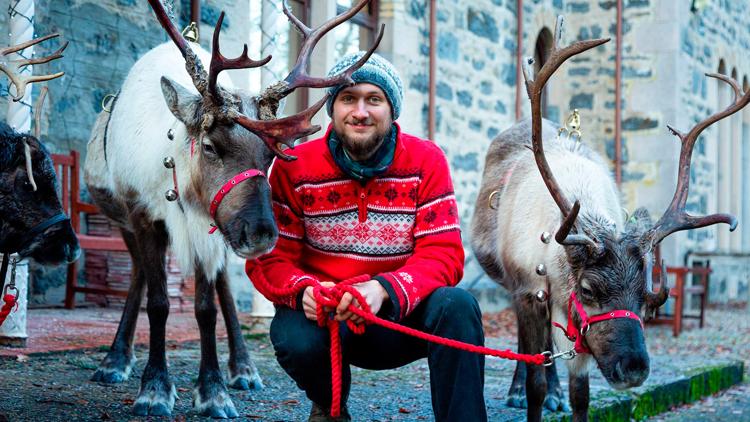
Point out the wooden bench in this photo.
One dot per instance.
(68, 169)
(689, 281)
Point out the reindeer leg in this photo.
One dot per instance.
(243, 375)
(210, 397)
(157, 393)
(517, 390)
(119, 361)
(555, 399)
(578, 389)
(533, 332)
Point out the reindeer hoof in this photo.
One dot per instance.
(555, 401)
(517, 401)
(114, 369)
(155, 399)
(219, 406)
(246, 382)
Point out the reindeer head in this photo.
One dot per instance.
(33, 221)
(611, 270)
(238, 134)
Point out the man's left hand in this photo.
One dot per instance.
(373, 293)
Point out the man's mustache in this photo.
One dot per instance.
(367, 122)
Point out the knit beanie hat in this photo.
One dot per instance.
(377, 71)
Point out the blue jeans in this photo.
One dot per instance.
(456, 377)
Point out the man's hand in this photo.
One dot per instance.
(309, 305)
(373, 293)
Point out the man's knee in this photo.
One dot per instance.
(456, 303)
(297, 340)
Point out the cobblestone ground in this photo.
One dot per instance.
(56, 387)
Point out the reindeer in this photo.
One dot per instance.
(32, 221)
(219, 143)
(597, 275)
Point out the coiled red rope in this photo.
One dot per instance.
(10, 303)
(330, 297)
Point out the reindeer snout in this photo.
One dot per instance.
(261, 236)
(630, 371)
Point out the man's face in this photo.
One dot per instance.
(361, 119)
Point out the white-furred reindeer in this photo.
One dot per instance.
(596, 275)
(217, 154)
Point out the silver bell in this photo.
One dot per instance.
(541, 269)
(170, 134)
(171, 195)
(542, 296)
(545, 237)
(169, 162)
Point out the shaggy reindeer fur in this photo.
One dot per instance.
(126, 176)
(506, 241)
(22, 208)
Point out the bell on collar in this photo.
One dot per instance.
(171, 195)
(191, 32)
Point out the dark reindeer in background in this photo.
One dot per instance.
(32, 221)
(209, 134)
(597, 262)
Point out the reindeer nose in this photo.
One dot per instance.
(632, 370)
(264, 235)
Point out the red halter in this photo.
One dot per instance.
(234, 181)
(576, 334)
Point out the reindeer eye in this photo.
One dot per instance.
(586, 292)
(208, 148)
(27, 186)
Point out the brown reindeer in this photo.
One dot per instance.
(217, 143)
(32, 221)
(596, 276)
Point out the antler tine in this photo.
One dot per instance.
(534, 88)
(654, 300)
(564, 237)
(11, 68)
(220, 63)
(282, 132)
(38, 111)
(37, 132)
(298, 76)
(675, 218)
(193, 65)
(24, 45)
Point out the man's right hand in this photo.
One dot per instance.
(309, 305)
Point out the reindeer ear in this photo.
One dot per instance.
(185, 105)
(639, 222)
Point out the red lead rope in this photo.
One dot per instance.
(10, 303)
(332, 296)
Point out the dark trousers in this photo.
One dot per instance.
(456, 377)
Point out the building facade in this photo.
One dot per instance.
(666, 48)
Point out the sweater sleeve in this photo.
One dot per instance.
(438, 258)
(278, 269)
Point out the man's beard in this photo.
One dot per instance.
(360, 150)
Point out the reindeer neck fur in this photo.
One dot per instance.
(136, 145)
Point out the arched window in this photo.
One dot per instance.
(724, 159)
(541, 54)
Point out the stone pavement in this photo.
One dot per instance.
(55, 386)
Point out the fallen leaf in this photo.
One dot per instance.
(403, 410)
(22, 358)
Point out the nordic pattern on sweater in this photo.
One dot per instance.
(401, 227)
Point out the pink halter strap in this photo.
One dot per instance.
(234, 181)
(576, 334)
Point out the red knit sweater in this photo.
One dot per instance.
(401, 228)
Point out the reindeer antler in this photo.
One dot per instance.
(654, 300)
(11, 67)
(298, 77)
(534, 88)
(276, 133)
(675, 218)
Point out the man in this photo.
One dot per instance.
(369, 199)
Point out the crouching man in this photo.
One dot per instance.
(367, 198)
